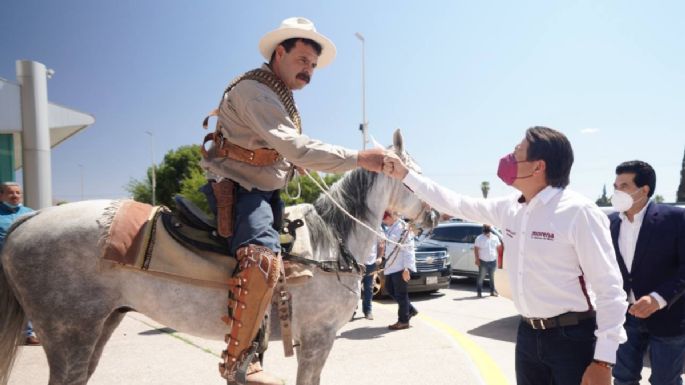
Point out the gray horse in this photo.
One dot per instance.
(53, 275)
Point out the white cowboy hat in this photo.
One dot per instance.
(297, 27)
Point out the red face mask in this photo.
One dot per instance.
(508, 169)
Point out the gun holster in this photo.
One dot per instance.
(224, 192)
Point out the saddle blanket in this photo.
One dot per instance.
(137, 238)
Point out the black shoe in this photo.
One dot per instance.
(369, 316)
(480, 295)
(413, 313)
(494, 294)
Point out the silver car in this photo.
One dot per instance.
(458, 238)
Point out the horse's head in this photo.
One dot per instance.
(403, 200)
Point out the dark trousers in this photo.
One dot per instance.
(257, 215)
(367, 282)
(666, 356)
(556, 356)
(397, 288)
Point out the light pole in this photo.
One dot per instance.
(81, 167)
(365, 124)
(152, 154)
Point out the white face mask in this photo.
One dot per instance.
(622, 201)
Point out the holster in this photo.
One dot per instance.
(224, 192)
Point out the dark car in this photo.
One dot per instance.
(433, 271)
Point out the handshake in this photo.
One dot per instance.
(381, 160)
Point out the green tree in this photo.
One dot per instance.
(179, 172)
(680, 195)
(603, 201)
(658, 198)
(308, 190)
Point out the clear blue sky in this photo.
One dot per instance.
(462, 79)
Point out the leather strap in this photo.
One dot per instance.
(284, 314)
(566, 319)
(258, 157)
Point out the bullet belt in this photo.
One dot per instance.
(566, 319)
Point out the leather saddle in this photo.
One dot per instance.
(190, 226)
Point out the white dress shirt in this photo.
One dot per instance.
(487, 247)
(402, 258)
(627, 241)
(558, 254)
(371, 258)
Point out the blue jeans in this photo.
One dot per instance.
(489, 269)
(666, 355)
(397, 288)
(29, 330)
(556, 356)
(367, 293)
(255, 213)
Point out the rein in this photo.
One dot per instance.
(395, 252)
(339, 206)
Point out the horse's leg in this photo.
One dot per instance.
(69, 349)
(315, 345)
(108, 328)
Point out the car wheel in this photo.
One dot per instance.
(378, 286)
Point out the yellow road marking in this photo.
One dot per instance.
(487, 367)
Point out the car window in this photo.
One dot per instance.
(459, 234)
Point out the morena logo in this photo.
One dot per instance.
(542, 235)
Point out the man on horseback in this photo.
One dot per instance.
(256, 144)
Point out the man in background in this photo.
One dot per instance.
(649, 240)
(11, 208)
(486, 249)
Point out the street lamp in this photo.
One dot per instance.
(81, 167)
(365, 124)
(152, 154)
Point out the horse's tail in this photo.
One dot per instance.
(12, 319)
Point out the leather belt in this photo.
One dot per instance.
(257, 157)
(566, 319)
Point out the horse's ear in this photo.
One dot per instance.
(397, 142)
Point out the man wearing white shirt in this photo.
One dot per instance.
(399, 261)
(649, 240)
(486, 250)
(558, 246)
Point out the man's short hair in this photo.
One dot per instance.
(554, 148)
(644, 173)
(290, 43)
(5, 185)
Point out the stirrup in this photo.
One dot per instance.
(241, 370)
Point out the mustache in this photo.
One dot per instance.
(304, 76)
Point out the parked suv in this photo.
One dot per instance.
(458, 238)
(433, 271)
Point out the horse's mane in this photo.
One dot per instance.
(327, 224)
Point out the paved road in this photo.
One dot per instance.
(456, 339)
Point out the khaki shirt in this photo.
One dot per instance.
(252, 116)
